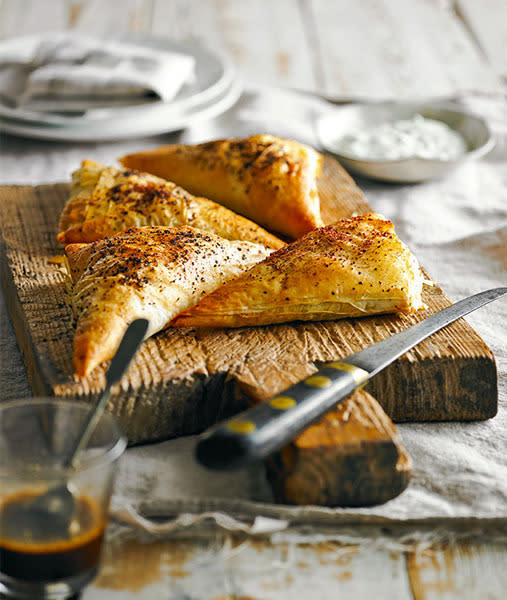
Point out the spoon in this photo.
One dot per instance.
(58, 502)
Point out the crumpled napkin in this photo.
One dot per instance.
(76, 72)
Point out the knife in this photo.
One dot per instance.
(265, 428)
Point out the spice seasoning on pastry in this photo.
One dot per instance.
(266, 178)
(148, 272)
(107, 200)
(355, 267)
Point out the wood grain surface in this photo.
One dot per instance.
(352, 457)
(239, 567)
(184, 380)
(411, 50)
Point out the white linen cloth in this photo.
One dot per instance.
(457, 228)
(67, 71)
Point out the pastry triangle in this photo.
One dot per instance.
(107, 200)
(150, 272)
(355, 267)
(266, 178)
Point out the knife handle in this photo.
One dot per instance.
(261, 430)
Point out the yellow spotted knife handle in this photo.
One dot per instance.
(261, 430)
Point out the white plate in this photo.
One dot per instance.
(117, 129)
(213, 76)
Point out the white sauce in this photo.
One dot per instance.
(416, 137)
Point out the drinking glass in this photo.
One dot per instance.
(46, 555)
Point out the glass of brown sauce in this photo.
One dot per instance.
(45, 553)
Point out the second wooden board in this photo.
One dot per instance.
(181, 381)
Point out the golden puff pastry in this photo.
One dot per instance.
(107, 200)
(150, 272)
(355, 267)
(266, 178)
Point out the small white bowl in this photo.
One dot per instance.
(356, 117)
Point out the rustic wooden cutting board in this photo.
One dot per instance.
(184, 379)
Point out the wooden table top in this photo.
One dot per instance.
(341, 49)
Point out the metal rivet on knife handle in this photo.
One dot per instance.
(318, 381)
(357, 373)
(241, 426)
(282, 402)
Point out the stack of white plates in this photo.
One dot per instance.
(213, 91)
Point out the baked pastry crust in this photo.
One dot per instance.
(266, 178)
(149, 272)
(107, 200)
(355, 267)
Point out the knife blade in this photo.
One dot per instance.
(263, 429)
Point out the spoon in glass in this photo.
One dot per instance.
(58, 502)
